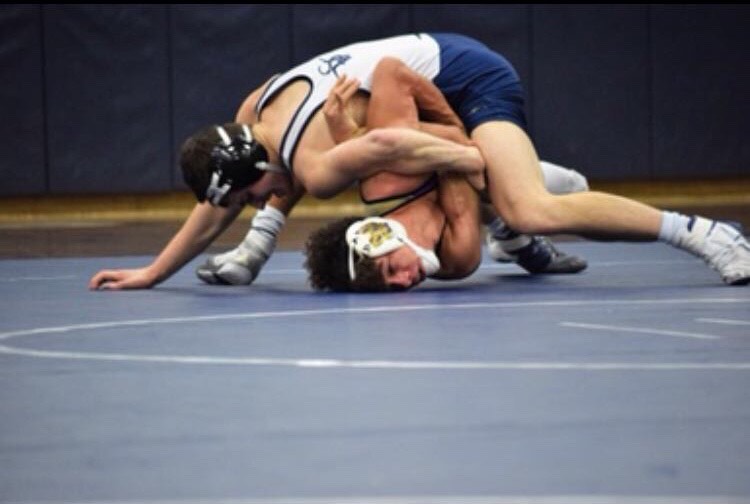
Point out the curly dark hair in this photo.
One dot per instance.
(327, 262)
(196, 160)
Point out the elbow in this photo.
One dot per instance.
(390, 66)
(395, 73)
(318, 188)
(318, 184)
(470, 264)
(383, 143)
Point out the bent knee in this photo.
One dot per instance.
(531, 217)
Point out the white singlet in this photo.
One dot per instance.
(418, 51)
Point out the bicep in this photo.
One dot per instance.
(326, 174)
(460, 252)
(461, 246)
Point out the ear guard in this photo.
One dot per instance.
(376, 236)
(236, 163)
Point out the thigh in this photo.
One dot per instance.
(513, 174)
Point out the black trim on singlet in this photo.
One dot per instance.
(301, 131)
(262, 98)
(294, 116)
(427, 186)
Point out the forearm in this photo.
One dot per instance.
(286, 203)
(398, 150)
(201, 228)
(413, 152)
(446, 132)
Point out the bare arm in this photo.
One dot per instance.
(400, 96)
(203, 225)
(461, 247)
(397, 142)
(391, 105)
(399, 150)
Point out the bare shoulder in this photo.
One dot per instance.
(246, 113)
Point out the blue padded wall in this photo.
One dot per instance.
(318, 28)
(107, 94)
(701, 82)
(219, 54)
(22, 138)
(98, 98)
(591, 88)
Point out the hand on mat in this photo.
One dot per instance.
(341, 124)
(122, 279)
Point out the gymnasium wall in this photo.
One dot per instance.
(96, 99)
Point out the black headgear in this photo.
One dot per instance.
(236, 163)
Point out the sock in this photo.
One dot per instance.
(688, 233)
(673, 226)
(560, 180)
(509, 239)
(266, 225)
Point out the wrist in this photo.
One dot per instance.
(153, 275)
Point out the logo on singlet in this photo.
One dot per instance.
(331, 65)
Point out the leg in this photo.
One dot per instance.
(535, 254)
(518, 194)
(241, 265)
(520, 198)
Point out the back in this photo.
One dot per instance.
(419, 51)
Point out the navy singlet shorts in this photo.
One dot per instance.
(478, 83)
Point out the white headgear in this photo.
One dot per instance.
(376, 236)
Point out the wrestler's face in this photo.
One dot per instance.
(402, 269)
(258, 193)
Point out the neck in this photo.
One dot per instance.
(260, 134)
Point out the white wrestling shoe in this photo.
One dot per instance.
(239, 266)
(721, 246)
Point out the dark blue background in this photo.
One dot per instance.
(97, 99)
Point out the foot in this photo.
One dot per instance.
(537, 256)
(722, 247)
(239, 266)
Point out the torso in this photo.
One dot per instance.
(297, 128)
(288, 111)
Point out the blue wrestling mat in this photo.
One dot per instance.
(627, 383)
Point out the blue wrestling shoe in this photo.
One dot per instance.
(535, 254)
